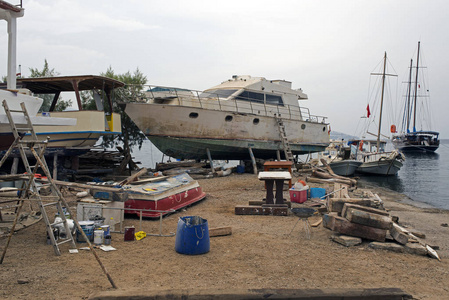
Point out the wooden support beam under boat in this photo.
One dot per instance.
(210, 160)
(253, 159)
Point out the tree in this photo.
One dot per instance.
(134, 84)
(48, 98)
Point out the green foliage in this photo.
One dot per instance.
(48, 98)
(134, 83)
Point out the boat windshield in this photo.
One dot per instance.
(217, 93)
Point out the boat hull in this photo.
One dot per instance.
(406, 146)
(380, 167)
(345, 167)
(167, 204)
(186, 132)
(90, 126)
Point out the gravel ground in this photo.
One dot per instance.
(260, 253)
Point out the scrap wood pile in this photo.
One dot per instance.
(99, 161)
(197, 170)
(355, 219)
(327, 175)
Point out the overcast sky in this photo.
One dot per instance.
(327, 48)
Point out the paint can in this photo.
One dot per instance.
(106, 229)
(129, 234)
(88, 228)
(98, 237)
(107, 239)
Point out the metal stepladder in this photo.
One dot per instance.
(285, 143)
(29, 190)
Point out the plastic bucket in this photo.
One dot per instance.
(98, 237)
(317, 193)
(192, 236)
(88, 228)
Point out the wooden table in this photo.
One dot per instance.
(272, 178)
(269, 165)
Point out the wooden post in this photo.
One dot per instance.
(15, 165)
(55, 166)
(210, 160)
(278, 154)
(253, 159)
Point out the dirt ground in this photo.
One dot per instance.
(260, 253)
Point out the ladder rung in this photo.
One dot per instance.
(24, 128)
(32, 142)
(48, 204)
(15, 110)
(63, 241)
(56, 223)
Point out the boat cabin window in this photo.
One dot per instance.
(193, 115)
(256, 121)
(251, 96)
(228, 118)
(217, 93)
(274, 100)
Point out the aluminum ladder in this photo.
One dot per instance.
(285, 143)
(29, 190)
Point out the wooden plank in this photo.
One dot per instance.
(261, 211)
(343, 226)
(369, 219)
(398, 234)
(262, 202)
(134, 176)
(220, 231)
(254, 293)
(336, 204)
(87, 186)
(363, 208)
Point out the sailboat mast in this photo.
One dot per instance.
(416, 89)
(409, 91)
(381, 101)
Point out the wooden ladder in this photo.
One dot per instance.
(29, 190)
(285, 143)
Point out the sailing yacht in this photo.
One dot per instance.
(415, 141)
(375, 160)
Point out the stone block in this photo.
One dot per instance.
(387, 246)
(347, 241)
(343, 226)
(398, 234)
(368, 219)
(415, 248)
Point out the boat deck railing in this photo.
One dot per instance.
(215, 101)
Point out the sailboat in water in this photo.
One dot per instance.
(375, 160)
(414, 141)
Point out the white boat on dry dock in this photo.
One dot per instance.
(229, 119)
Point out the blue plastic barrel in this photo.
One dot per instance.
(317, 192)
(192, 236)
(240, 169)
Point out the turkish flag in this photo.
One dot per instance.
(368, 113)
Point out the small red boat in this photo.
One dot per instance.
(162, 195)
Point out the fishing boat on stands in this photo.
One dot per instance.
(415, 141)
(162, 194)
(241, 116)
(91, 124)
(372, 153)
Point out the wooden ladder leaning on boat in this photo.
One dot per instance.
(285, 143)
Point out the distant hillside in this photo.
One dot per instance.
(335, 135)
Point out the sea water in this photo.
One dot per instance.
(424, 177)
